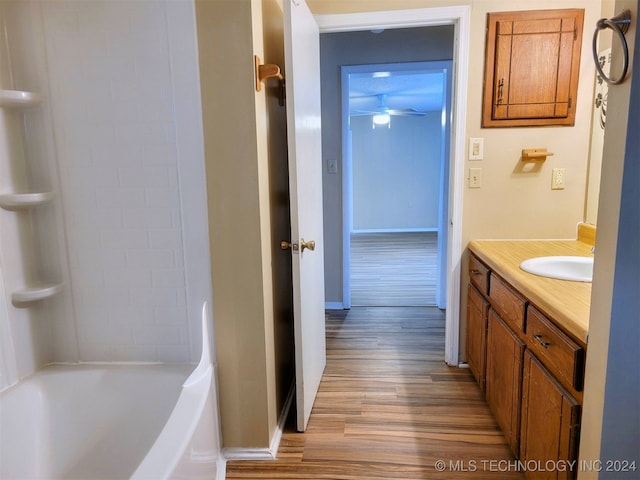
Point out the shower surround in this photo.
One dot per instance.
(117, 140)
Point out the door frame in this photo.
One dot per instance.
(460, 17)
(445, 67)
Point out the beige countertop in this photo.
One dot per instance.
(565, 302)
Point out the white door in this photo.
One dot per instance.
(302, 72)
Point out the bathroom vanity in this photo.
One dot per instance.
(526, 343)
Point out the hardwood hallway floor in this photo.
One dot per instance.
(394, 269)
(389, 408)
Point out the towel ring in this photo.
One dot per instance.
(619, 24)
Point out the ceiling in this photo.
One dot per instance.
(422, 91)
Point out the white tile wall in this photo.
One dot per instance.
(114, 102)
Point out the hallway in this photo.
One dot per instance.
(389, 408)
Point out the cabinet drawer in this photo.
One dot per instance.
(479, 274)
(561, 355)
(507, 302)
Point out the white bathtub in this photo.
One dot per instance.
(91, 422)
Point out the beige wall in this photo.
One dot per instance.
(323, 7)
(516, 201)
(236, 157)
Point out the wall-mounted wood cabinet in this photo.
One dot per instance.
(532, 63)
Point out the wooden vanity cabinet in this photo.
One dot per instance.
(550, 427)
(504, 378)
(477, 313)
(533, 371)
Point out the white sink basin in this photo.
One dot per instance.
(578, 269)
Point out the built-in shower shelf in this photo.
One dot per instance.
(35, 293)
(19, 99)
(24, 201)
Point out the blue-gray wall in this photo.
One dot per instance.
(360, 48)
(396, 173)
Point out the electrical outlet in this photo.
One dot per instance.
(476, 148)
(475, 177)
(558, 178)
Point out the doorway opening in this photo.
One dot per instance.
(460, 18)
(396, 135)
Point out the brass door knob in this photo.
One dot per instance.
(311, 244)
(284, 245)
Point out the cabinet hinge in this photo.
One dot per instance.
(570, 102)
(575, 34)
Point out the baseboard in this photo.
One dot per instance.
(221, 471)
(264, 453)
(333, 306)
(240, 453)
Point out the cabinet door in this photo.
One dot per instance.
(532, 66)
(477, 311)
(550, 421)
(504, 378)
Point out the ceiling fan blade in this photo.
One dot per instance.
(406, 112)
(393, 113)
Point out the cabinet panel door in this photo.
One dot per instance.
(531, 67)
(550, 421)
(477, 311)
(504, 378)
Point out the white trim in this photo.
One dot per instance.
(461, 80)
(230, 454)
(221, 470)
(395, 230)
(347, 209)
(444, 67)
(271, 452)
(460, 16)
(334, 306)
(419, 17)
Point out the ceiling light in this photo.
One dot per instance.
(381, 119)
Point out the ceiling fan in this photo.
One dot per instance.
(383, 110)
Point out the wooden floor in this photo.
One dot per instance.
(393, 269)
(389, 408)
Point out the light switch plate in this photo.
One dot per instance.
(332, 165)
(475, 177)
(476, 148)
